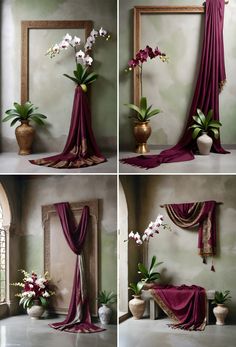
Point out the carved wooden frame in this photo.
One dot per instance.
(141, 10)
(91, 266)
(26, 26)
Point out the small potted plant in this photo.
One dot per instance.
(221, 311)
(149, 276)
(105, 298)
(35, 293)
(204, 129)
(137, 304)
(142, 129)
(25, 132)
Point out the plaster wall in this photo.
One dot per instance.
(103, 92)
(178, 248)
(170, 87)
(38, 191)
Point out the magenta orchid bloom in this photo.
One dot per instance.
(143, 54)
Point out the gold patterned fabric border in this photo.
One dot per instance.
(163, 306)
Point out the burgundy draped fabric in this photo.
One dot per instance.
(78, 319)
(81, 149)
(211, 79)
(203, 214)
(186, 305)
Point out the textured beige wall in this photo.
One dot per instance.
(103, 99)
(178, 248)
(170, 86)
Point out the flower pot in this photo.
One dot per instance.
(220, 312)
(142, 132)
(204, 143)
(104, 313)
(35, 311)
(137, 306)
(148, 286)
(25, 136)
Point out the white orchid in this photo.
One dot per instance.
(88, 60)
(94, 33)
(87, 46)
(56, 48)
(29, 279)
(80, 55)
(136, 236)
(76, 41)
(159, 219)
(131, 235)
(67, 38)
(64, 44)
(46, 294)
(102, 32)
(145, 237)
(91, 40)
(139, 242)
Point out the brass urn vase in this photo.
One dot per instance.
(25, 136)
(142, 132)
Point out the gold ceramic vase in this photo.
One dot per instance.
(25, 136)
(142, 132)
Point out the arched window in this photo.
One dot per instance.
(2, 258)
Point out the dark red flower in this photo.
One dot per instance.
(157, 52)
(150, 52)
(133, 63)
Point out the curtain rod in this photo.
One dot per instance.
(218, 203)
(226, 2)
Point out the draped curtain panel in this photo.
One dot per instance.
(202, 214)
(81, 149)
(186, 305)
(210, 81)
(78, 319)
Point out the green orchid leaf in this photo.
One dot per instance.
(143, 270)
(143, 103)
(10, 117)
(37, 120)
(80, 70)
(77, 76)
(153, 262)
(153, 113)
(85, 72)
(215, 132)
(196, 132)
(215, 124)
(201, 116)
(134, 107)
(38, 115)
(14, 121)
(71, 78)
(91, 77)
(43, 301)
(197, 120)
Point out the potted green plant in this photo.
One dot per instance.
(105, 298)
(221, 311)
(149, 275)
(137, 304)
(24, 113)
(204, 129)
(143, 112)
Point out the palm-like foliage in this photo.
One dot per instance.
(136, 287)
(205, 124)
(221, 297)
(27, 302)
(25, 112)
(149, 275)
(82, 75)
(106, 298)
(143, 112)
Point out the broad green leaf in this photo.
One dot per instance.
(196, 132)
(14, 121)
(215, 124)
(71, 78)
(201, 116)
(134, 107)
(38, 115)
(197, 120)
(43, 301)
(77, 76)
(85, 72)
(143, 103)
(142, 269)
(80, 70)
(37, 120)
(153, 113)
(10, 117)
(215, 132)
(140, 286)
(91, 77)
(154, 258)
(209, 117)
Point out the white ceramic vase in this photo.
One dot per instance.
(137, 306)
(204, 143)
(35, 311)
(104, 313)
(220, 312)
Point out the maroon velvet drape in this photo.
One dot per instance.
(203, 214)
(186, 305)
(211, 79)
(78, 319)
(81, 149)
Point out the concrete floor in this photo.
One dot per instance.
(156, 333)
(14, 163)
(21, 331)
(213, 163)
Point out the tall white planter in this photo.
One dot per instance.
(204, 143)
(104, 313)
(220, 312)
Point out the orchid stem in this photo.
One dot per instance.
(141, 79)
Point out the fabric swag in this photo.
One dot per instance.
(81, 149)
(78, 319)
(210, 81)
(203, 214)
(186, 305)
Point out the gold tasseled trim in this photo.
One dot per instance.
(221, 85)
(162, 305)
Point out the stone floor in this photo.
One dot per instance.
(148, 333)
(14, 163)
(213, 163)
(21, 331)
